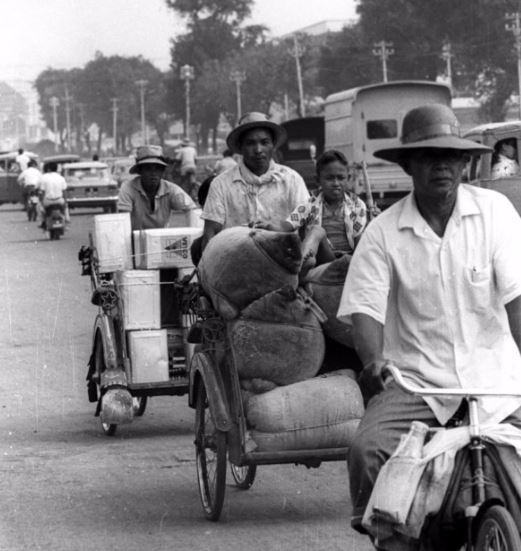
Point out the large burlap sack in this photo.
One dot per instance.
(278, 339)
(322, 412)
(327, 283)
(240, 265)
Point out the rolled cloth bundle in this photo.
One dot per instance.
(322, 412)
(277, 340)
(240, 265)
(327, 283)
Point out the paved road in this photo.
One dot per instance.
(67, 487)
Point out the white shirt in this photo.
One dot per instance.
(442, 299)
(504, 167)
(187, 156)
(53, 185)
(30, 177)
(233, 202)
(22, 161)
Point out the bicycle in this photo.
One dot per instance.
(489, 524)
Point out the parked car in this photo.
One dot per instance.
(120, 169)
(479, 170)
(89, 184)
(60, 160)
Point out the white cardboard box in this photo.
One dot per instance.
(191, 218)
(148, 356)
(164, 248)
(112, 239)
(140, 296)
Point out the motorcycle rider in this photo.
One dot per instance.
(51, 187)
(29, 180)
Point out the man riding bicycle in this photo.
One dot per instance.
(434, 287)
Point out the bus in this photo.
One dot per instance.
(362, 120)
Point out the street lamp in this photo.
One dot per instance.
(187, 74)
(238, 77)
(142, 84)
(54, 102)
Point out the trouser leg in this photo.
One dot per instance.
(387, 417)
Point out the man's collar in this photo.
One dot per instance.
(410, 216)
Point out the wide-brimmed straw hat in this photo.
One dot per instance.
(148, 155)
(254, 120)
(430, 126)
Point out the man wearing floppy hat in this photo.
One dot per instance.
(257, 190)
(435, 288)
(148, 197)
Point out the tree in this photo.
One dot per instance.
(214, 32)
(475, 29)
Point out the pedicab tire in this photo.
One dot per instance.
(211, 488)
(141, 406)
(54, 234)
(497, 531)
(109, 429)
(243, 476)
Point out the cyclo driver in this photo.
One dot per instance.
(435, 287)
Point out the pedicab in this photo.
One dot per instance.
(223, 429)
(126, 366)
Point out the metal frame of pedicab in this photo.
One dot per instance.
(220, 421)
(110, 363)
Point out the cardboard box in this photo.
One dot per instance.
(112, 239)
(140, 297)
(164, 248)
(148, 352)
(191, 218)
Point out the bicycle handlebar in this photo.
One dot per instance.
(462, 392)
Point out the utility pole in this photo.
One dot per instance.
(515, 27)
(238, 77)
(79, 139)
(297, 52)
(114, 110)
(54, 102)
(187, 74)
(383, 50)
(447, 56)
(142, 84)
(67, 100)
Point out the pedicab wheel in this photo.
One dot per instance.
(243, 476)
(54, 234)
(497, 531)
(108, 428)
(210, 449)
(140, 405)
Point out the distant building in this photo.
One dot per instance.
(322, 27)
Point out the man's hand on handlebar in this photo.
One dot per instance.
(372, 379)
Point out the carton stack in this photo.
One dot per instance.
(139, 288)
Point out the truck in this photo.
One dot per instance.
(362, 120)
(479, 170)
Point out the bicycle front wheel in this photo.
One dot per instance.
(497, 531)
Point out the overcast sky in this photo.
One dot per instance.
(36, 34)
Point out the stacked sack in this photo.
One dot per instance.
(277, 341)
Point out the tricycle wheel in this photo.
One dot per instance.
(210, 449)
(109, 428)
(243, 476)
(99, 366)
(497, 531)
(140, 405)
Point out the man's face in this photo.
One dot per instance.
(436, 173)
(257, 148)
(151, 175)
